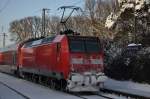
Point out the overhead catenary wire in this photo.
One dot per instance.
(72, 4)
(5, 5)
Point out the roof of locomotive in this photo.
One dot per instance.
(57, 38)
(50, 39)
(91, 38)
(33, 42)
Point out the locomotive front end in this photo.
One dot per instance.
(86, 64)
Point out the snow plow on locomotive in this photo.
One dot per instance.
(73, 63)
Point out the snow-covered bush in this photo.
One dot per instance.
(136, 67)
(141, 66)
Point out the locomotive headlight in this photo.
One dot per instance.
(72, 68)
(95, 61)
(76, 60)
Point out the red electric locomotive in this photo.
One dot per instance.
(72, 62)
(68, 62)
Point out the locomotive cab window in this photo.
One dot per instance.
(92, 46)
(77, 46)
(84, 45)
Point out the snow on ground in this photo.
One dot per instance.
(6, 93)
(128, 87)
(33, 91)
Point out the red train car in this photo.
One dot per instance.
(67, 62)
(8, 55)
(75, 61)
(1, 58)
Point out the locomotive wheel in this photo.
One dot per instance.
(57, 84)
(16, 72)
(53, 84)
(43, 80)
(63, 85)
(35, 78)
(39, 79)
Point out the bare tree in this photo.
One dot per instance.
(29, 27)
(97, 12)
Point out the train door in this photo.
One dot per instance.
(58, 54)
(55, 57)
(14, 57)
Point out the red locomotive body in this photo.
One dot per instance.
(72, 62)
(46, 57)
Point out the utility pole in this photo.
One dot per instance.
(4, 37)
(43, 21)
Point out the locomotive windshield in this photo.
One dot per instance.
(92, 46)
(84, 44)
(77, 46)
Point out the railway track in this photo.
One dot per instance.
(14, 90)
(90, 95)
(99, 94)
(80, 95)
(134, 96)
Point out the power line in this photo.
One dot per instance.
(72, 4)
(5, 5)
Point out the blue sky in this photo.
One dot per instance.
(17, 9)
